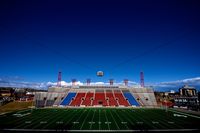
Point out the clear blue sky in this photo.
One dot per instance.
(39, 38)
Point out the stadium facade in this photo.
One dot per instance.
(96, 96)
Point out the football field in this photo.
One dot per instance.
(99, 119)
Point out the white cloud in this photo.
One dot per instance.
(195, 82)
(157, 86)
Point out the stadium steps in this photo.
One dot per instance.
(137, 97)
(131, 99)
(68, 98)
(111, 99)
(88, 101)
(59, 99)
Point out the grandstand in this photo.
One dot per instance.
(96, 96)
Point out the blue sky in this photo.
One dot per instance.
(39, 38)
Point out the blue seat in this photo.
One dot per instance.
(131, 99)
(68, 98)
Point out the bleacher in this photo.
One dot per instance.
(110, 96)
(111, 99)
(68, 99)
(99, 99)
(131, 99)
(88, 99)
(121, 99)
(78, 99)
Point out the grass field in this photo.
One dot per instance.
(99, 119)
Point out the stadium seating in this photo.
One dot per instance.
(78, 99)
(59, 99)
(68, 98)
(88, 101)
(131, 99)
(121, 99)
(111, 99)
(40, 103)
(99, 99)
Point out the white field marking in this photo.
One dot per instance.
(43, 122)
(59, 122)
(92, 118)
(155, 122)
(107, 122)
(55, 117)
(99, 121)
(27, 122)
(123, 122)
(114, 120)
(170, 122)
(185, 114)
(33, 119)
(139, 122)
(178, 115)
(85, 119)
(71, 117)
(151, 130)
(79, 116)
(128, 118)
(21, 115)
(75, 122)
(91, 122)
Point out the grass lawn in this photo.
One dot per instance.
(99, 119)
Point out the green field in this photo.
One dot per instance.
(99, 119)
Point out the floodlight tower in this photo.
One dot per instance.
(142, 79)
(88, 81)
(111, 81)
(126, 82)
(74, 82)
(59, 79)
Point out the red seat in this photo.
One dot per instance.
(100, 99)
(111, 99)
(87, 101)
(78, 99)
(121, 99)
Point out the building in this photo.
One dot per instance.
(96, 96)
(188, 98)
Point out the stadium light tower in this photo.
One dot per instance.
(126, 82)
(73, 82)
(88, 81)
(111, 81)
(142, 79)
(59, 79)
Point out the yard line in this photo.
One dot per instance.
(85, 119)
(47, 118)
(114, 119)
(80, 116)
(122, 121)
(92, 118)
(107, 120)
(99, 120)
(127, 117)
(138, 116)
(30, 117)
(54, 120)
(184, 113)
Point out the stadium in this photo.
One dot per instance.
(98, 108)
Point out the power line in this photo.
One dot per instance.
(148, 51)
(64, 56)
